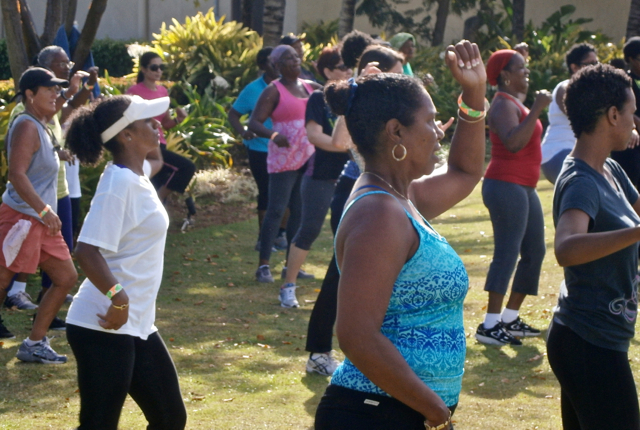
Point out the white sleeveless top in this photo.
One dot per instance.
(559, 135)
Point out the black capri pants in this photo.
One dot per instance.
(110, 366)
(596, 384)
(258, 167)
(176, 172)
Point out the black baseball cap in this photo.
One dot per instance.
(35, 77)
(289, 39)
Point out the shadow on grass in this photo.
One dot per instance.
(502, 374)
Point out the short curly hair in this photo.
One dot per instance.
(369, 106)
(577, 52)
(353, 45)
(591, 92)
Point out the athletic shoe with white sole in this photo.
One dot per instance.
(288, 296)
(263, 274)
(41, 352)
(322, 363)
(518, 327)
(281, 242)
(21, 300)
(496, 336)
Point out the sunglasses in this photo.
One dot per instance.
(341, 67)
(156, 67)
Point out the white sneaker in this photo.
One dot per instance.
(322, 364)
(288, 296)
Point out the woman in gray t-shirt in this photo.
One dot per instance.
(595, 209)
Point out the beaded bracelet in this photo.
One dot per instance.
(472, 112)
(113, 291)
(444, 425)
(44, 211)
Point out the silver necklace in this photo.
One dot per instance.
(390, 186)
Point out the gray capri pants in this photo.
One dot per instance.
(518, 230)
(316, 197)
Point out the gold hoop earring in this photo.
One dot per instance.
(404, 154)
(507, 82)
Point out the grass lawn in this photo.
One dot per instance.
(241, 358)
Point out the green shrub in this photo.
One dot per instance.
(112, 56)
(203, 49)
(5, 69)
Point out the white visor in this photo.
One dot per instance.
(138, 109)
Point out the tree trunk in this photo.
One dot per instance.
(633, 24)
(88, 34)
(70, 16)
(347, 16)
(31, 39)
(18, 60)
(273, 21)
(246, 7)
(441, 22)
(52, 21)
(257, 13)
(517, 21)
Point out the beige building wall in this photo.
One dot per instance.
(612, 22)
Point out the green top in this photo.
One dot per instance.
(407, 70)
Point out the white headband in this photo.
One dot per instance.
(138, 109)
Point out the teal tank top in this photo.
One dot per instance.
(424, 317)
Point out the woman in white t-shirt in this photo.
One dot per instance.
(110, 325)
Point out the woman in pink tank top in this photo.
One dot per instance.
(509, 193)
(285, 101)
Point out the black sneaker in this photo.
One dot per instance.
(4, 332)
(519, 328)
(56, 324)
(496, 336)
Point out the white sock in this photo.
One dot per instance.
(18, 287)
(30, 342)
(509, 315)
(490, 320)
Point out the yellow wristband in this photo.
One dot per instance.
(113, 291)
(273, 136)
(88, 87)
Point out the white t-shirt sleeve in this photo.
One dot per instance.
(103, 224)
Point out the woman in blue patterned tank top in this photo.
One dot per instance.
(402, 286)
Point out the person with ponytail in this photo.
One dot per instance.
(402, 286)
(110, 324)
(177, 171)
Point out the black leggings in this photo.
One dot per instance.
(344, 409)
(596, 384)
(176, 173)
(323, 316)
(110, 366)
(258, 167)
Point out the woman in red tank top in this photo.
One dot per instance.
(509, 193)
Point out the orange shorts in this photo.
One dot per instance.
(37, 247)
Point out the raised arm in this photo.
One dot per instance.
(505, 121)
(434, 195)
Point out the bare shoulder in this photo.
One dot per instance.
(377, 224)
